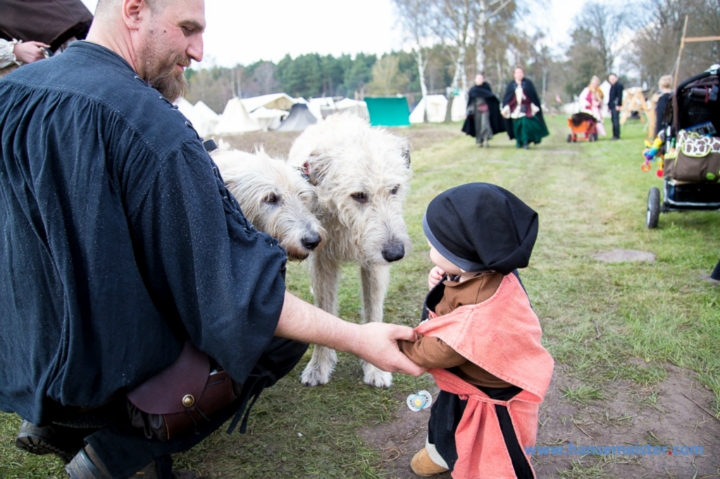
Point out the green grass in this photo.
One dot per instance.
(603, 322)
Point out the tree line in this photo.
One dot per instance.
(453, 39)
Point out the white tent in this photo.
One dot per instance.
(355, 107)
(195, 117)
(235, 119)
(279, 101)
(459, 108)
(437, 106)
(321, 107)
(208, 118)
(268, 118)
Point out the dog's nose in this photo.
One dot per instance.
(393, 252)
(311, 241)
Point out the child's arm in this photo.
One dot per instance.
(430, 352)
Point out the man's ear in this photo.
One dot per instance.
(134, 11)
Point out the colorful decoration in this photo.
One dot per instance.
(653, 152)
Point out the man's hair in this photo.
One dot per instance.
(108, 7)
(612, 75)
(480, 73)
(518, 67)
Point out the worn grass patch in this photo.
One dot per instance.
(603, 322)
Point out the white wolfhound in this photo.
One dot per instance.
(274, 197)
(361, 178)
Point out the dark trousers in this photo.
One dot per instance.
(445, 415)
(616, 122)
(124, 450)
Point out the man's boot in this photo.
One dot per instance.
(47, 440)
(87, 465)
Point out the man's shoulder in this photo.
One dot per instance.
(93, 79)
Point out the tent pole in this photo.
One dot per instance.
(682, 46)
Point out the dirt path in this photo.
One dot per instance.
(672, 413)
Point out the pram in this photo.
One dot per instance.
(692, 169)
(583, 127)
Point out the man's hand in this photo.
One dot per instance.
(618, 108)
(28, 52)
(435, 276)
(377, 344)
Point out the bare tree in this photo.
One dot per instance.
(485, 11)
(414, 16)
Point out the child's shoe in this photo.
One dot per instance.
(422, 465)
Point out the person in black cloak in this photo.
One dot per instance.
(522, 111)
(123, 251)
(483, 113)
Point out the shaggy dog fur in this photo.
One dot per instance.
(274, 197)
(361, 178)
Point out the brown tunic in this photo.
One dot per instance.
(431, 352)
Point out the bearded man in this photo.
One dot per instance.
(121, 247)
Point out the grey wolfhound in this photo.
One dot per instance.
(274, 197)
(361, 177)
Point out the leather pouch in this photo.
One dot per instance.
(180, 397)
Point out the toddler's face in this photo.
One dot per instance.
(442, 262)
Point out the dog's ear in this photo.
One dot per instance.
(315, 167)
(406, 152)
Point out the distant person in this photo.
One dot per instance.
(483, 113)
(665, 94)
(521, 108)
(16, 52)
(615, 99)
(479, 336)
(591, 101)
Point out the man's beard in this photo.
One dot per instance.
(170, 84)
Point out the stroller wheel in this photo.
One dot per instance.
(653, 208)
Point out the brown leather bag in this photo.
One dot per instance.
(181, 396)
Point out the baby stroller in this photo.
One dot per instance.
(583, 127)
(691, 149)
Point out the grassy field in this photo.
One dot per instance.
(614, 328)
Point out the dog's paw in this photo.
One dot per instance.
(320, 368)
(376, 377)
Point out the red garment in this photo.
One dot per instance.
(502, 336)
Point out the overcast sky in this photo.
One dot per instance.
(245, 31)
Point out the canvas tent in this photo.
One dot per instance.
(388, 111)
(268, 118)
(235, 119)
(195, 117)
(355, 107)
(298, 119)
(436, 108)
(278, 101)
(321, 107)
(458, 111)
(207, 117)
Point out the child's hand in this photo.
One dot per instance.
(435, 276)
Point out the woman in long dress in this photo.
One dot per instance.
(522, 111)
(591, 101)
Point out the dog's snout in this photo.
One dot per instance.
(393, 252)
(311, 241)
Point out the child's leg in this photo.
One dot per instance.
(445, 415)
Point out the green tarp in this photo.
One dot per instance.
(388, 111)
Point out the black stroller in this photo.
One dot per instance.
(691, 179)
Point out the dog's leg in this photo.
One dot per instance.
(375, 280)
(324, 274)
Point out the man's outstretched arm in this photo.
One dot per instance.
(376, 343)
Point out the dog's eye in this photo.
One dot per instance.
(395, 190)
(271, 198)
(360, 197)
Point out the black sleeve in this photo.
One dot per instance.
(210, 272)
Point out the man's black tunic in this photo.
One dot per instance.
(119, 240)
